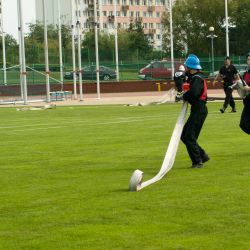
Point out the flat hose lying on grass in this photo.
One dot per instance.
(136, 183)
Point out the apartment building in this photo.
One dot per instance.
(146, 12)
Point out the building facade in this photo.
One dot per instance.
(146, 12)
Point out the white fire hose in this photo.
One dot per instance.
(136, 183)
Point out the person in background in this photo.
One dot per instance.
(197, 97)
(179, 79)
(228, 73)
(245, 116)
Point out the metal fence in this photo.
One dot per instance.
(127, 70)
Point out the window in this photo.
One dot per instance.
(137, 13)
(151, 25)
(158, 2)
(151, 38)
(158, 25)
(144, 13)
(156, 65)
(124, 13)
(158, 37)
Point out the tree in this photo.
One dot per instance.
(11, 49)
(35, 43)
(191, 21)
(239, 35)
(137, 41)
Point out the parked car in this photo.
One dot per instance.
(157, 69)
(89, 73)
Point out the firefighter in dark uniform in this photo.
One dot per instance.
(228, 73)
(197, 97)
(179, 79)
(245, 116)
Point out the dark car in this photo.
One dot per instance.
(156, 69)
(89, 73)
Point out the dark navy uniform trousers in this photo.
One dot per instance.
(192, 130)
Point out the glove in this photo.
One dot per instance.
(179, 96)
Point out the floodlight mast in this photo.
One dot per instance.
(227, 32)
(171, 36)
(116, 43)
(22, 50)
(20, 60)
(4, 59)
(73, 46)
(4, 51)
(60, 42)
(46, 53)
(78, 24)
(212, 36)
(97, 52)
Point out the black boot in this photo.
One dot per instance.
(222, 110)
(205, 158)
(233, 110)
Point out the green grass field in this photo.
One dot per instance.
(65, 173)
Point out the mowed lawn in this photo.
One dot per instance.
(64, 177)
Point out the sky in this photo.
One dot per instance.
(10, 21)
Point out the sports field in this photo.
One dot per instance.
(65, 173)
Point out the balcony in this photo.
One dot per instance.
(125, 7)
(111, 18)
(138, 19)
(151, 8)
(90, 6)
(151, 31)
(90, 19)
(131, 19)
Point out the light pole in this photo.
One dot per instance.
(227, 32)
(212, 36)
(171, 36)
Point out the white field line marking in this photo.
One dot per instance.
(81, 121)
(89, 124)
(35, 127)
(167, 116)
